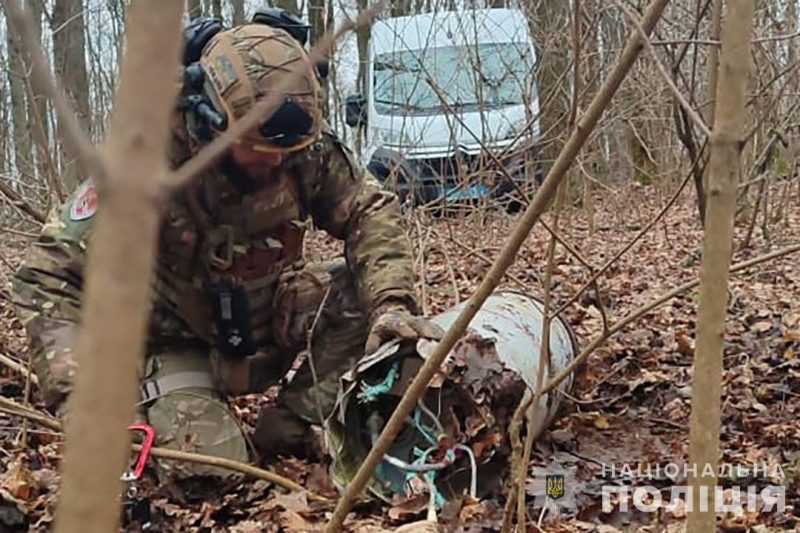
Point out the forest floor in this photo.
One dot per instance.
(629, 405)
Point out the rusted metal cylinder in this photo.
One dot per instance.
(456, 440)
(515, 322)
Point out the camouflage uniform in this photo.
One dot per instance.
(218, 230)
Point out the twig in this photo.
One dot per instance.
(19, 232)
(13, 365)
(696, 118)
(495, 274)
(488, 261)
(42, 418)
(13, 408)
(640, 312)
(450, 271)
(43, 150)
(422, 262)
(708, 42)
(776, 38)
(310, 357)
(235, 466)
(635, 239)
(20, 203)
(7, 263)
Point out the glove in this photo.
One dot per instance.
(395, 321)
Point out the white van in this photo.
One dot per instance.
(444, 88)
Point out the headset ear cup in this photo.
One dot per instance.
(196, 36)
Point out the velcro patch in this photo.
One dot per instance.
(85, 204)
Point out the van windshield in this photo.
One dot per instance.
(464, 77)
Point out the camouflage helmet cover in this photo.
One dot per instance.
(244, 64)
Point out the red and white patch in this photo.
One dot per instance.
(85, 203)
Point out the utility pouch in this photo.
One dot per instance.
(231, 312)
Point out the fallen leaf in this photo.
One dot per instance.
(18, 482)
(409, 507)
(423, 526)
(762, 326)
(247, 526)
(488, 442)
(475, 511)
(678, 509)
(605, 528)
(789, 354)
(601, 422)
(293, 501)
(685, 345)
(294, 521)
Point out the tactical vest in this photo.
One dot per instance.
(221, 254)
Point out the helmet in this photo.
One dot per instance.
(244, 64)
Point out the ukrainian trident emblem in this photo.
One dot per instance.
(555, 486)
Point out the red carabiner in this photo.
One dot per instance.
(144, 454)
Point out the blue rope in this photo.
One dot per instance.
(369, 393)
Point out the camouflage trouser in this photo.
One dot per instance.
(192, 415)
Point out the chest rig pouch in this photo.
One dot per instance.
(255, 237)
(231, 313)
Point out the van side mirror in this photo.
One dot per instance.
(354, 111)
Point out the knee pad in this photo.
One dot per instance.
(187, 414)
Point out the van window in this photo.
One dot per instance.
(467, 77)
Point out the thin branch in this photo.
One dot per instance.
(635, 239)
(19, 232)
(523, 284)
(20, 203)
(696, 118)
(776, 38)
(18, 367)
(234, 466)
(708, 42)
(13, 408)
(640, 312)
(532, 213)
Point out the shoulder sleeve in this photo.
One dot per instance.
(47, 290)
(348, 202)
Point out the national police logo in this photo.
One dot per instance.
(555, 487)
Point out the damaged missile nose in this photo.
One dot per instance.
(456, 440)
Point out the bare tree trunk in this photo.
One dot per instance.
(791, 44)
(713, 67)
(550, 29)
(69, 52)
(401, 8)
(4, 121)
(238, 11)
(19, 106)
(362, 42)
(717, 248)
(316, 18)
(288, 5)
(194, 8)
(37, 112)
(216, 9)
(114, 316)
